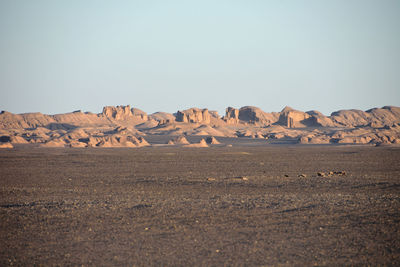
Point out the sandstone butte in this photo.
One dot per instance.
(123, 126)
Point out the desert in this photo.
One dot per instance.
(248, 204)
(250, 188)
(123, 126)
(199, 133)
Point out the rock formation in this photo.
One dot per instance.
(293, 118)
(162, 117)
(180, 140)
(139, 114)
(202, 143)
(6, 145)
(317, 119)
(255, 115)
(123, 126)
(118, 112)
(376, 117)
(231, 115)
(194, 115)
(121, 141)
(212, 141)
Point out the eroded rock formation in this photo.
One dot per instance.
(255, 115)
(231, 115)
(123, 126)
(194, 115)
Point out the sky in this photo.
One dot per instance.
(159, 55)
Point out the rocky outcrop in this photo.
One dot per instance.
(77, 118)
(122, 126)
(350, 118)
(292, 118)
(314, 139)
(118, 112)
(53, 143)
(140, 114)
(202, 143)
(231, 115)
(121, 141)
(194, 115)
(162, 117)
(15, 139)
(255, 115)
(317, 119)
(26, 120)
(212, 140)
(214, 114)
(376, 117)
(6, 145)
(180, 140)
(205, 130)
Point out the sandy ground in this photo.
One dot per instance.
(215, 206)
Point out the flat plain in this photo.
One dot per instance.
(216, 206)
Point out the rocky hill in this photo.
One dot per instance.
(123, 126)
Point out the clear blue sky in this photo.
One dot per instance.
(59, 56)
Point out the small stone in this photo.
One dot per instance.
(210, 179)
(245, 178)
(286, 175)
(322, 174)
(302, 175)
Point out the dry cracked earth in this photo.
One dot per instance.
(217, 206)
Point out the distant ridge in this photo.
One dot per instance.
(374, 126)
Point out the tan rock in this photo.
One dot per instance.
(180, 140)
(374, 126)
(212, 141)
(118, 112)
(6, 145)
(202, 143)
(376, 117)
(314, 139)
(121, 141)
(396, 141)
(317, 119)
(293, 118)
(139, 114)
(77, 144)
(53, 143)
(77, 134)
(194, 115)
(206, 130)
(354, 140)
(18, 140)
(304, 140)
(254, 115)
(162, 117)
(231, 115)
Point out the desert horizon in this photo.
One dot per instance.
(123, 126)
(193, 188)
(199, 133)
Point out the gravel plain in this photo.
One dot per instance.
(217, 206)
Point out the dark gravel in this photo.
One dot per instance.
(234, 206)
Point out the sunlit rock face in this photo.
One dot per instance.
(194, 115)
(118, 112)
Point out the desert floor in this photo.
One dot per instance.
(170, 206)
